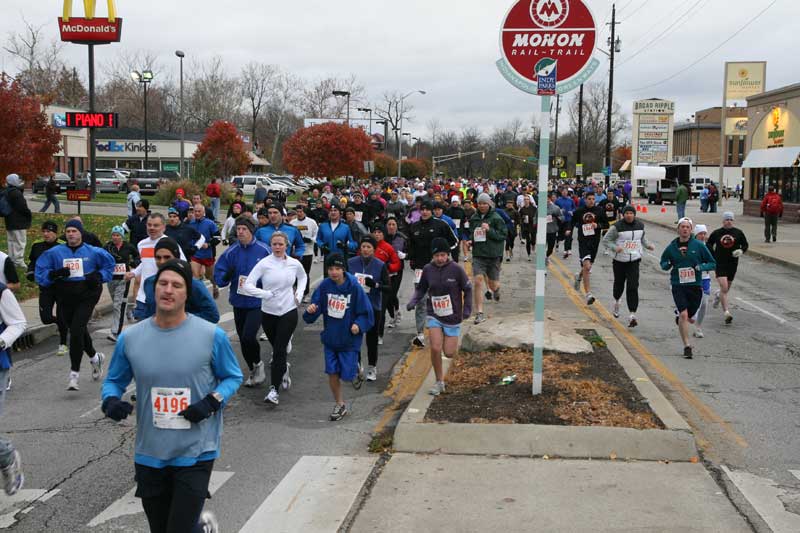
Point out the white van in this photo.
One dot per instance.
(699, 181)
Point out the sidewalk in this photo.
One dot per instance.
(438, 492)
(785, 252)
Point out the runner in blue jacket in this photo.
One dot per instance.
(334, 235)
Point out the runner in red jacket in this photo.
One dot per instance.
(771, 210)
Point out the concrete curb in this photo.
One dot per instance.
(676, 443)
(750, 252)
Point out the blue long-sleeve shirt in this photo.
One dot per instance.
(82, 261)
(200, 302)
(567, 207)
(327, 238)
(296, 245)
(233, 267)
(195, 355)
(336, 334)
(207, 229)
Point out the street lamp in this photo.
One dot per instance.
(347, 94)
(416, 140)
(368, 110)
(144, 78)
(181, 55)
(400, 129)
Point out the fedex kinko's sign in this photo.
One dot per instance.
(547, 45)
(90, 30)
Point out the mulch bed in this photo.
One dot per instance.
(578, 390)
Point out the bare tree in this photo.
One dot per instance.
(209, 95)
(393, 111)
(39, 61)
(434, 127)
(256, 81)
(318, 101)
(281, 115)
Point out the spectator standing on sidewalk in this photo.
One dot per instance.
(133, 199)
(214, 191)
(771, 210)
(681, 197)
(18, 220)
(713, 198)
(51, 195)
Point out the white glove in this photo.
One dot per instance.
(401, 255)
(737, 253)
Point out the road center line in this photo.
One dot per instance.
(95, 409)
(771, 315)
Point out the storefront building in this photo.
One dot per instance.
(773, 155)
(124, 148)
(73, 157)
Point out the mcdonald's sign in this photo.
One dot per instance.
(88, 29)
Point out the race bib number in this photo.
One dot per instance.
(588, 230)
(75, 267)
(120, 269)
(167, 403)
(549, 219)
(466, 225)
(687, 275)
(240, 285)
(457, 222)
(480, 235)
(359, 216)
(526, 219)
(630, 246)
(362, 280)
(417, 275)
(337, 305)
(442, 305)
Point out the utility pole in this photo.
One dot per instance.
(558, 112)
(612, 49)
(578, 161)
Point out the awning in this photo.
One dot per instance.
(256, 161)
(773, 158)
(649, 173)
(625, 166)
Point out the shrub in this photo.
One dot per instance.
(166, 192)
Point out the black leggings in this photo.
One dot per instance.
(372, 341)
(393, 300)
(173, 497)
(627, 274)
(247, 323)
(563, 228)
(510, 241)
(279, 330)
(47, 299)
(306, 261)
(76, 312)
(551, 243)
(528, 236)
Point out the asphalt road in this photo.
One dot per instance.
(78, 463)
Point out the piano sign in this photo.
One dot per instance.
(92, 120)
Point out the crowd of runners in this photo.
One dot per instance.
(370, 236)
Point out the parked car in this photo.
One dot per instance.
(108, 180)
(699, 181)
(65, 183)
(148, 180)
(248, 183)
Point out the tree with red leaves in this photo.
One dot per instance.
(621, 154)
(327, 150)
(222, 151)
(27, 141)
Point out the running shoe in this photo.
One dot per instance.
(437, 388)
(73, 381)
(13, 478)
(488, 295)
(286, 381)
(566, 254)
(272, 396)
(632, 323)
(380, 341)
(728, 318)
(97, 367)
(529, 259)
(208, 523)
(590, 299)
(8, 386)
(63, 350)
(339, 412)
(129, 315)
(698, 333)
(615, 310)
(687, 352)
(359, 379)
(397, 316)
(111, 337)
(419, 341)
(497, 295)
(480, 317)
(372, 373)
(263, 337)
(215, 292)
(577, 283)
(392, 323)
(249, 381)
(508, 259)
(259, 375)
(716, 300)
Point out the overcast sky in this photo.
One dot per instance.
(445, 47)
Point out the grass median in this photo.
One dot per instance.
(100, 225)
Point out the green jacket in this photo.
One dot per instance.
(494, 246)
(697, 257)
(681, 194)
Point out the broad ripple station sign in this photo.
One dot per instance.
(547, 45)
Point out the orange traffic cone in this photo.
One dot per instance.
(638, 207)
(644, 209)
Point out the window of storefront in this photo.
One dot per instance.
(730, 150)
(741, 150)
(785, 180)
(130, 164)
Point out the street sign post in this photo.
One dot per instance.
(79, 195)
(546, 48)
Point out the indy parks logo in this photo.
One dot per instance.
(549, 13)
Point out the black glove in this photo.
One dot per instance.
(199, 411)
(370, 282)
(340, 245)
(94, 279)
(409, 307)
(214, 241)
(307, 241)
(226, 279)
(116, 409)
(326, 249)
(225, 242)
(60, 273)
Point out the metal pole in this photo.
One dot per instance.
(558, 112)
(92, 161)
(541, 247)
(146, 147)
(723, 116)
(610, 92)
(348, 109)
(400, 142)
(183, 125)
(580, 125)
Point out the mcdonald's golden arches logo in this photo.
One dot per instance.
(90, 29)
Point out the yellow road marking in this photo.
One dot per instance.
(703, 410)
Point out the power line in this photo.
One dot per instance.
(659, 22)
(627, 17)
(660, 35)
(723, 43)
